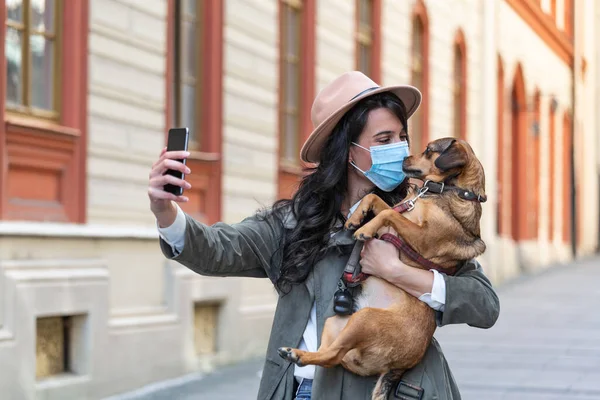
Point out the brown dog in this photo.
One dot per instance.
(392, 329)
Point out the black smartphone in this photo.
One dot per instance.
(178, 141)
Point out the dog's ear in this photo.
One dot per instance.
(453, 156)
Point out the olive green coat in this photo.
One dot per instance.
(245, 249)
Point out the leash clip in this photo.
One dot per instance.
(422, 191)
(410, 204)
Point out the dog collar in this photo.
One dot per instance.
(440, 187)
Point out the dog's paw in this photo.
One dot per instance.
(362, 236)
(288, 354)
(350, 226)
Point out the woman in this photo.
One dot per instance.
(357, 147)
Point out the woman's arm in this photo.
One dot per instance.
(242, 249)
(469, 296)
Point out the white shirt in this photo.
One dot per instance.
(174, 235)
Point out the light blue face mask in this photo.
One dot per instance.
(386, 169)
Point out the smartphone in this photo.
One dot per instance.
(178, 141)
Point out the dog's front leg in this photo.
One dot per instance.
(370, 202)
(388, 218)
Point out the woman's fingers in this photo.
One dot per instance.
(159, 194)
(171, 155)
(160, 157)
(160, 168)
(158, 177)
(160, 181)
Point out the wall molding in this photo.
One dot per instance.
(67, 230)
(546, 29)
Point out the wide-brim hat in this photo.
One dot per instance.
(341, 95)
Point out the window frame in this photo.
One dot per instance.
(284, 109)
(369, 37)
(290, 173)
(59, 145)
(419, 16)
(26, 109)
(205, 158)
(552, 168)
(503, 201)
(196, 137)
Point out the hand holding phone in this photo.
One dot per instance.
(178, 141)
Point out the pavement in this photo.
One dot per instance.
(544, 346)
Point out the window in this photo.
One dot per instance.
(291, 19)
(368, 38)
(195, 96)
(186, 88)
(502, 190)
(42, 113)
(567, 169)
(364, 36)
(520, 174)
(460, 88)
(552, 172)
(206, 327)
(297, 31)
(32, 54)
(53, 342)
(419, 69)
(535, 159)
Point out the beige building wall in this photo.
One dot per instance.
(250, 152)
(518, 44)
(133, 312)
(335, 47)
(126, 107)
(589, 126)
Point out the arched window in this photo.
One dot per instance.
(552, 169)
(520, 226)
(501, 177)
(536, 132)
(567, 186)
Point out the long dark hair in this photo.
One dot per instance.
(316, 204)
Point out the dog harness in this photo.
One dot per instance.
(353, 276)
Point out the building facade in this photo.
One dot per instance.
(89, 307)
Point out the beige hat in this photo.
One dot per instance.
(341, 95)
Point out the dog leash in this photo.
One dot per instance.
(404, 247)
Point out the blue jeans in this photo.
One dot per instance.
(304, 390)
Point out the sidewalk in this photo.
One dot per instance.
(545, 346)
(237, 382)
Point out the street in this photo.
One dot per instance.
(544, 347)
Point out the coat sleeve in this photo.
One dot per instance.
(241, 249)
(470, 298)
